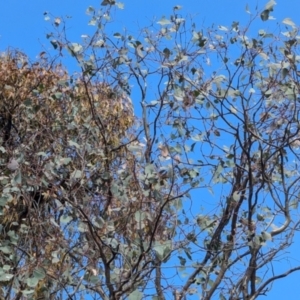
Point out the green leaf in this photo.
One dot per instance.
(39, 273)
(71, 143)
(177, 7)
(6, 250)
(222, 297)
(55, 255)
(139, 216)
(117, 35)
(149, 170)
(90, 10)
(262, 32)
(182, 260)
(265, 15)
(98, 222)
(76, 48)
(65, 161)
(134, 147)
(188, 254)
(223, 28)
(6, 277)
(217, 132)
(108, 2)
(76, 174)
(82, 227)
(139, 50)
(266, 236)
(2, 149)
(18, 178)
(54, 44)
(247, 9)
(95, 280)
(42, 154)
(270, 5)
(32, 282)
(66, 218)
(162, 249)
(57, 21)
(167, 52)
(236, 196)
(163, 21)
(92, 22)
(6, 267)
(289, 22)
(99, 43)
(136, 295)
(260, 217)
(152, 103)
(27, 292)
(120, 5)
(285, 72)
(294, 204)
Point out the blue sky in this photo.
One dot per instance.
(22, 26)
(22, 22)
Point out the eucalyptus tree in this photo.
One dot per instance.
(167, 168)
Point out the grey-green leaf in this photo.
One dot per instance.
(265, 15)
(136, 295)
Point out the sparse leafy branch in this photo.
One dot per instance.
(192, 191)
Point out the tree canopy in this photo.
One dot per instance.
(166, 168)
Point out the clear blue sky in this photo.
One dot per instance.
(22, 23)
(22, 26)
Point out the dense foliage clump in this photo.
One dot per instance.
(194, 191)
